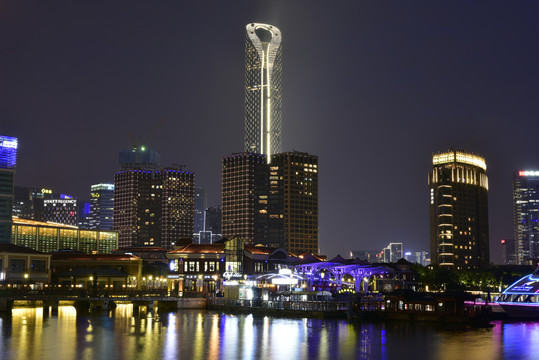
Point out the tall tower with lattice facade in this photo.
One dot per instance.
(263, 94)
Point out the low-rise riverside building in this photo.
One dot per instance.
(208, 267)
(49, 237)
(102, 271)
(23, 266)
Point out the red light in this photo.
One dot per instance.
(503, 241)
(521, 173)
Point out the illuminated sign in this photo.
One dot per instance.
(95, 195)
(230, 275)
(46, 191)
(528, 173)
(503, 241)
(8, 142)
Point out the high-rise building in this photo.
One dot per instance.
(61, 211)
(101, 207)
(8, 162)
(274, 205)
(526, 216)
(393, 252)
(200, 209)
(29, 202)
(458, 187)
(245, 192)
(152, 207)
(293, 202)
(263, 94)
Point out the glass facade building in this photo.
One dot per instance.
(47, 237)
(8, 162)
(263, 91)
(101, 207)
(458, 193)
(526, 216)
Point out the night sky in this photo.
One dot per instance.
(371, 87)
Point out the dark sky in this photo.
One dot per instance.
(372, 87)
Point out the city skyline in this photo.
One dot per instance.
(415, 80)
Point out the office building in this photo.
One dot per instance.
(263, 94)
(458, 193)
(200, 208)
(372, 256)
(392, 253)
(245, 190)
(152, 207)
(8, 162)
(293, 202)
(101, 207)
(526, 216)
(274, 205)
(29, 202)
(62, 211)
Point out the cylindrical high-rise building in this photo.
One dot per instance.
(263, 69)
(458, 187)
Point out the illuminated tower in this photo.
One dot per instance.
(526, 216)
(101, 206)
(8, 161)
(458, 187)
(263, 69)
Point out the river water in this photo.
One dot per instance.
(197, 334)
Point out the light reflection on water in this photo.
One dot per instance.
(31, 333)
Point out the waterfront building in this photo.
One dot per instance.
(263, 90)
(509, 251)
(293, 202)
(106, 271)
(458, 192)
(19, 264)
(200, 209)
(526, 216)
(245, 191)
(393, 252)
(8, 162)
(101, 207)
(152, 207)
(203, 267)
(48, 237)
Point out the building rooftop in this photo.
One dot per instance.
(12, 248)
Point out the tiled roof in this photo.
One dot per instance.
(12, 248)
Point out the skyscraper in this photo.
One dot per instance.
(526, 216)
(245, 197)
(263, 69)
(273, 205)
(152, 207)
(101, 207)
(458, 187)
(8, 161)
(293, 201)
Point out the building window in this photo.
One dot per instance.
(17, 265)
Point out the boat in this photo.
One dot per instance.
(521, 299)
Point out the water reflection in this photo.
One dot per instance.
(35, 333)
